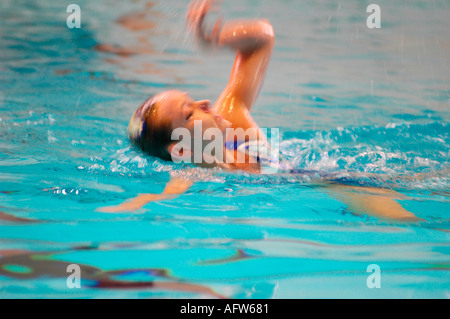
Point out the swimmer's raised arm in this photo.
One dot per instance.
(175, 187)
(253, 41)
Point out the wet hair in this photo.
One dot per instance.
(150, 135)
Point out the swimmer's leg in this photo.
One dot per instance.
(372, 201)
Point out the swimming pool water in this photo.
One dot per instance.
(345, 98)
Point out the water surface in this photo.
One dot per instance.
(345, 98)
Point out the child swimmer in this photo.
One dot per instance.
(153, 123)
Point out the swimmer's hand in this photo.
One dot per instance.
(195, 21)
(176, 186)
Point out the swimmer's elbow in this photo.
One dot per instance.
(267, 35)
(247, 35)
(263, 32)
(267, 29)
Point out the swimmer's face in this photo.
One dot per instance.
(184, 112)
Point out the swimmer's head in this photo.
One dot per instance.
(152, 124)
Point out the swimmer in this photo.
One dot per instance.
(152, 124)
(154, 121)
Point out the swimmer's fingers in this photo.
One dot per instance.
(210, 39)
(177, 186)
(195, 15)
(115, 209)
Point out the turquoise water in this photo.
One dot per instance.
(346, 99)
